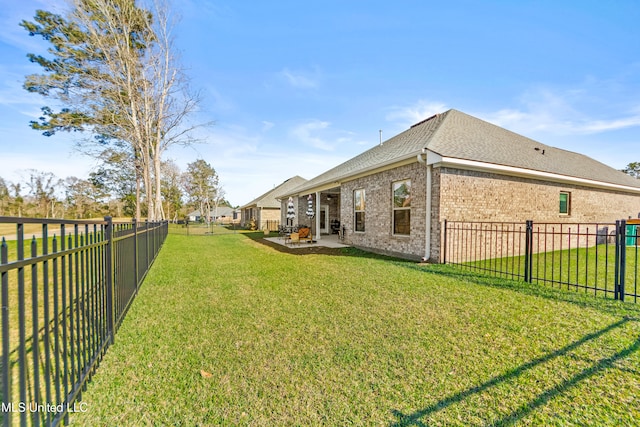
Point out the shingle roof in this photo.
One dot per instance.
(458, 135)
(269, 199)
(462, 136)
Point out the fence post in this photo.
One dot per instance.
(108, 235)
(135, 250)
(6, 370)
(146, 240)
(444, 242)
(621, 259)
(528, 249)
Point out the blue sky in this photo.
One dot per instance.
(296, 88)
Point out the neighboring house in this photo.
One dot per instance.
(394, 197)
(264, 211)
(222, 214)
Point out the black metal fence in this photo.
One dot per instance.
(597, 258)
(65, 292)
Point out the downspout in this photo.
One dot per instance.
(317, 236)
(427, 231)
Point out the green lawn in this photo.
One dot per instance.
(228, 331)
(590, 270)
(201, 229)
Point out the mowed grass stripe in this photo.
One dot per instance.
(355, 339)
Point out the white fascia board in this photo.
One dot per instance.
(316, 189)
(440, 161)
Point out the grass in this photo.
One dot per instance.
(81, 296)
(197, 229)
(590, 270)
(226, 331)
(45, 294)
(10, 230)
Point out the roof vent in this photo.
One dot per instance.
(541, 150)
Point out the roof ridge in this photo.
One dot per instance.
(268, 193)
(444, 115)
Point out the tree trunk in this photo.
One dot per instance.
(158, 187)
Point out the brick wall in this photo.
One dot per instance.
(480, 196)
(461, 195)
(378, 235)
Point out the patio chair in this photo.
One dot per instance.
(294, 238)
(305, 235)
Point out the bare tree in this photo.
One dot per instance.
(42, 187)
(115, 70)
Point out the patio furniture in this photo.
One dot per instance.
(294, 238)
(304, 234)
(285, 230)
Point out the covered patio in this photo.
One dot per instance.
(318, 210)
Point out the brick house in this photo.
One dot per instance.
(265, 209)
(221, 214)
(394, 197)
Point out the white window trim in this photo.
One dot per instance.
(568, 213)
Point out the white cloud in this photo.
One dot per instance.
(220, 101)
(414, 113)
(301, 80)
(615, 124)
(307, 133)
(573, 111)
(13, 12)
(249, 164)
(567, 112)
(267, 125)
(13, 94)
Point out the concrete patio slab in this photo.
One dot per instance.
(329, 241)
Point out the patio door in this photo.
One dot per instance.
(324, 219)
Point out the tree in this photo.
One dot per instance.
(171, 189)
(83, 199)
(218, 198)
(42, 187)
(5, 197)
(201, 185)
(17, 201)
(116, 176)
(633, 169)
(114, 71)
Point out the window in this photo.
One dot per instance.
(402, 207)
(565, 203)
(358, 208)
